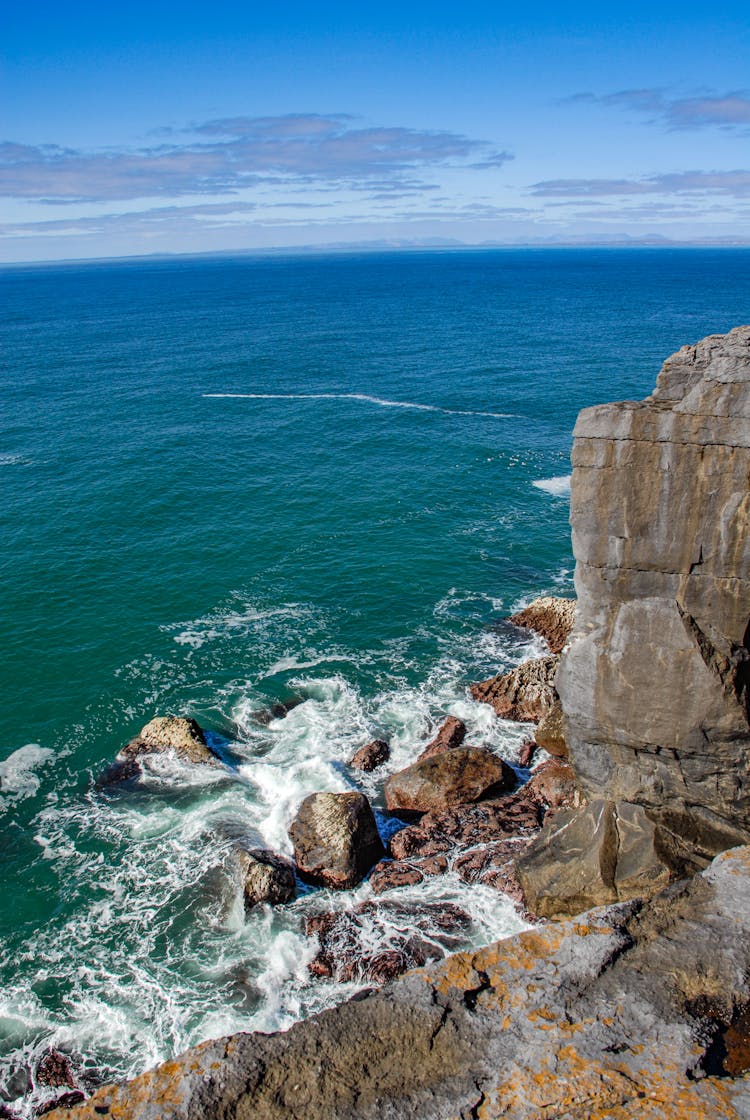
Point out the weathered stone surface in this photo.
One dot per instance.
(450, 735)
(654, 683)
(55, 1069)
(601, 853)
(266, 876)
(377, 941)
(371, 755)
(549, 616)
(550, 733)
(565, 1022)
(182, 737)
(451, 777)
(525, 694)
(335, 839)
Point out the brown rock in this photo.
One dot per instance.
(451, 734)
(526, 694)
(550, 733)
(553, 786)
(604, 852)
(392, 873)
(371, 756)
(335, 839)
(377, 941)
(452, 777)
(55, 1069)
(267, 877)
(183, 737)
(549, 616)
(526, 754)
(65, 1100)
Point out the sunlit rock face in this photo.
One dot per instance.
(655, 683)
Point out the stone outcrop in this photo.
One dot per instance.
(335, 839)
(371, 755)
(266, 877)
(450, 777)
(377, 941)
(655, 682)
(450, 735)
(565, 1021)
(525, 694)
(163, 734)
(480, 842)
(549, 616)
(550, 734)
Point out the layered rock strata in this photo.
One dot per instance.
(655, 684)
(560, 1022)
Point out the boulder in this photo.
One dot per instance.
(601, 853)
(525, 694)
(266, 877)
(55, 1069)
(655, 684)
(549, 616)
(335, 839)
(371, 755)
(63, 1102)
(170, 734)
(377, 941)
(277, 710)
(637, 1011)
(550, 734)
(452, 777)
(526, 754)
(451, 734)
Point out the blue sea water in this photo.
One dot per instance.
(233, 480)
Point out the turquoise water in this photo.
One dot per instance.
(226, 481)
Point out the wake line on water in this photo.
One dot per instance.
(365, 398)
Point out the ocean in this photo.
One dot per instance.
(232, 481)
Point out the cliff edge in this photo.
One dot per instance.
(655, 685)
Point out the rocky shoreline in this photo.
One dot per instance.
(620, 840)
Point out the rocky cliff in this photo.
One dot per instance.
(655, 685)
(561, 1023)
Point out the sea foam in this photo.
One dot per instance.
(365, 398)
(558, 487)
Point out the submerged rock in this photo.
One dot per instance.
(55, 1069)
(549, 616)
(278, 710)
(448, 778)
(377, 941)
(266, 876)
(335, 839)
(525, 694)
(637, 1010)
(450, 735)
(371, 755)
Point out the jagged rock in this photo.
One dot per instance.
(63, 1102)
(655, 682)
(603, 852)
(335, 839)
(266, 876)
(526, 754)
(451, 777)
(377, 941)
(183, 737)
(55, 1069)
(633, 1012)
(371, 756)
(7, 1113)
(553, 786)
(525, 694)
(549, 616)
(550, 734)
(451, 734)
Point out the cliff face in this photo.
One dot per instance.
(655, 685)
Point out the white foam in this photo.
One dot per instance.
(18, 777)
(365, 398)
(558, 487)
(11, 459)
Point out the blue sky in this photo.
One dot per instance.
(163, 128)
